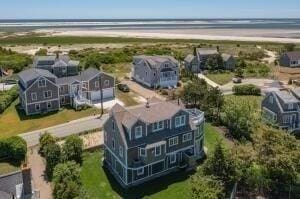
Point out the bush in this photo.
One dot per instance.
(45, 140)
(72, 149)
(7, 97)
(247, 89)
(14, 148)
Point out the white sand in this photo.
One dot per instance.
(231, 35)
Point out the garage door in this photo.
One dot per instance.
(107, 93)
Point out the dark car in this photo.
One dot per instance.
(123, 87)
(10, 81)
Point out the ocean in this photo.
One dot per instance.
(127, 24)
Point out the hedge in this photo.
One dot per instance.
(13, 148)
(247, 89)
(7, 97)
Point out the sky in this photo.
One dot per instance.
(122, 9)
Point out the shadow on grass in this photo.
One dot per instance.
(23, 116)
(148, 188)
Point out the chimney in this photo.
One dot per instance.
(26, 174)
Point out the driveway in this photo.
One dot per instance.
(66, 129)
(141, 90)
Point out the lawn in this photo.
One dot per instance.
(129, 99)
(13, 122)
(254, 100)
(220, 78)
(8, 167)
(100, 184)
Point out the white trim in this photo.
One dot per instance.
(97, 84)
(34, 94)
(50, 100)
(173, 155)
(37, 105)
(159, 151)
(105, 82)
(140, 152)
(140, 171)
(49, 103)
(135, 132)
(187, 137)
(42, 80)
(182, 121)
(121, 151)
(158, 126)
(48, 92)
(174, 140)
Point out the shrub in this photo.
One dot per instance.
(14, 148)
(7, 97)
(45, 140)
(72, 149)
(247, 89)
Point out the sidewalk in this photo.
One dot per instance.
(210, 82)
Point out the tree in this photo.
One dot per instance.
(221, 165)
(239, 72)
(238, 117)
(194, 92)
(66, 179)
(206, 187)
(72, 149)
(45, 140)
(214, 62)
(92, 60)
(214, 102)
(42, 52)
(17, 148)
(53, 157)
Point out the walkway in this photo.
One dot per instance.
(37, 166)
(210, 82)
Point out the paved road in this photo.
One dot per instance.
(66, 129)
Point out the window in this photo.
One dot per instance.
(37, 107)
(287, 118)
(49, 105)
(166, 65)
(47, 94)
(154, 74)
(41, 83)
(173, 141)
(138, 132)
(290, 106)
(33, 96)
(140, 171)
(61, 89)
(113, 143)
(63, 99)
(173, 158)
(271, 99)
(187, 137)
(157, 126)
(180, 121)
(113, 125)
(157, 150)
(106, 82)
(121, 151)
(199, 131)
(96, 84)
(142, 152)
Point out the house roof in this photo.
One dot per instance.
(286, 96)
(61, 60)
(156, 111)
(294, 55)
(83, 76)
(189, 58)
(34, 73)
(9, 183)
(226, 57)
(155, 61)
(207, 51)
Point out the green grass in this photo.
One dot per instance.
(100, 184)
(8, 167)
(212, 136)
(254, 100)
(127, 98)
(13, 122)
(220, 78)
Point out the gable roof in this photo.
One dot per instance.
(88, 74)
(61, 60)
(9, 182)
(226, 57)
(155, 62)
(293, 55)
(286, 96)
(207, 51)
(189, 58)
(34, 73)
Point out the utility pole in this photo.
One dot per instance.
(101, 94)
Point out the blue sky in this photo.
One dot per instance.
(20, 9)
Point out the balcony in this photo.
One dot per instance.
(137, 163)
(196, 115)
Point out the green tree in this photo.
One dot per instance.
(214, 62)
(239, 72)
(214, 102)
(17, 148)
(221, 165)
(239, 118)
(66, 179)
(206, 187)
(72, 149)
(289, 47)
(92, 60)
(42, 52)
(194, 92)
(53, 157)
(45, 140)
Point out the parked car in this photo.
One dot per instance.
(123, 87)
(10, 81)
(237, 80)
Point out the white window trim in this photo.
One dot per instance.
(159, 151)
(158, 126)
(135, 132)
(140, 152)
(121, 151)
(50, 105)
(97, 85)
(63, 99)
(34, 98)
(173, 155)
(62, 89)
(181, 121)
(290, 106)
(106, 82)
(271, 99)
(50, 94)
(174, 142)
(140, 171)
(37, 105)
(44, 84)
(187, 137)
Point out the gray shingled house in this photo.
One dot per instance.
(155, 71)
(290, 59)
(282, 108)
(151, 140)
(197, 63)
(40, 91)
(17, 185)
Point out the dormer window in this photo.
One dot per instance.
(157, 126)
(290, 106)
(41, 83)
(166, 65)
(157, 150)
(138, 132)
(180, 121)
